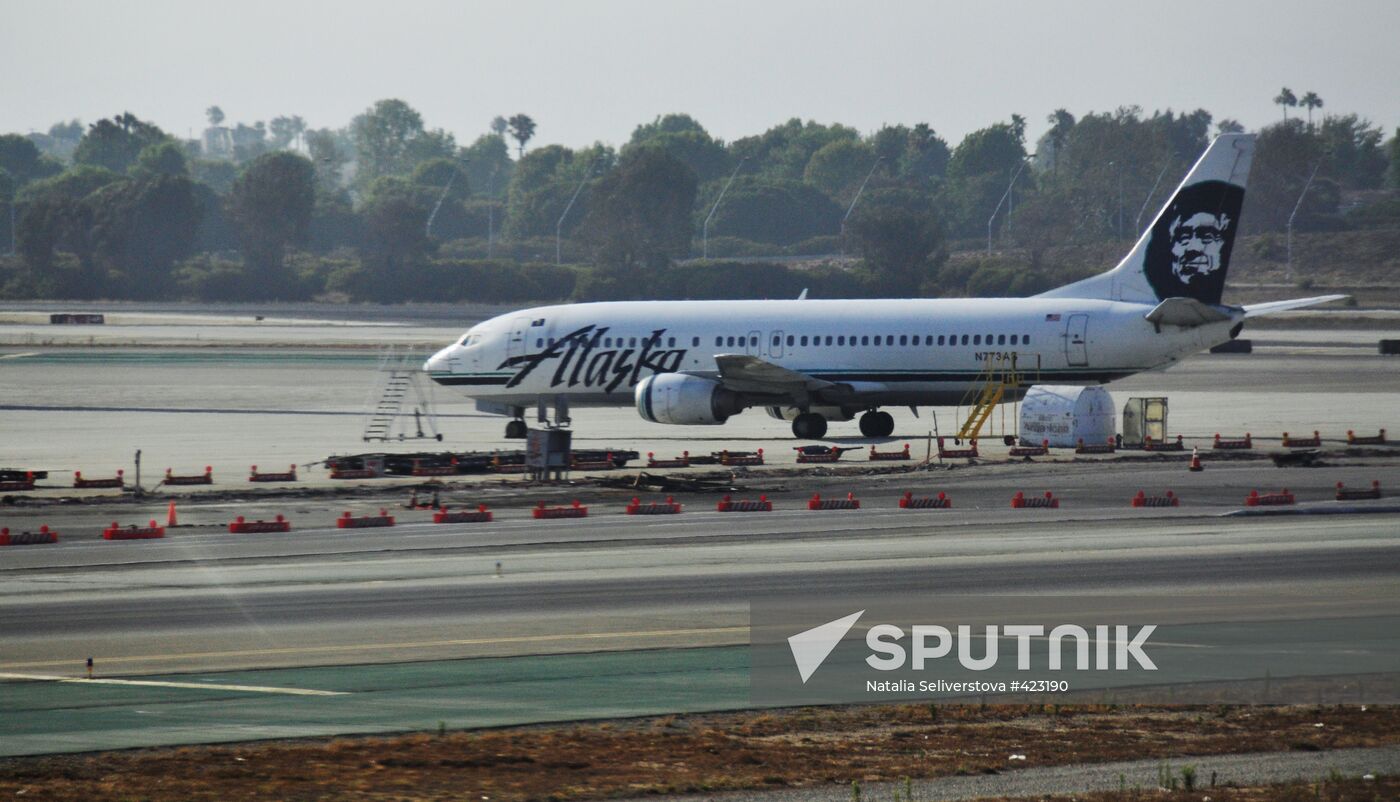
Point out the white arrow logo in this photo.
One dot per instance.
(811, 648)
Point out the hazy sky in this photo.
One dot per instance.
(591, 71)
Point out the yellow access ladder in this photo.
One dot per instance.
(997, 376)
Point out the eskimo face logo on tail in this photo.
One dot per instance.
(1189, 252)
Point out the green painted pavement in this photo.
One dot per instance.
(45, 717)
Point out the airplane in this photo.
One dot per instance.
(815, 361)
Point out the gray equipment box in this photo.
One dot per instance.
(548, 451)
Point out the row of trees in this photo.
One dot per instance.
(129, 211)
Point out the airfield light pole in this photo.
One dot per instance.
(705, 229)
(442, 197)
(491, 212)
(1004, 196)
(559, 226)
(1296, 207)
(856, 200)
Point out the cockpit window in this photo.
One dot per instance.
(470, 339)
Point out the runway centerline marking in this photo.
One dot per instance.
(357, 647)
(145, 683)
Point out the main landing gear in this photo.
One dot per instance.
(809, 426)
(877, 424)
(515, 430)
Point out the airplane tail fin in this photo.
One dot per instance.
(1185, 253)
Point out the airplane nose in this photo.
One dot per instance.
(437, 363)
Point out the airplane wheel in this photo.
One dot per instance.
(877, 424)
(809, 426)
(515, 430)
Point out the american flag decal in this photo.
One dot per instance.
(1052, 318)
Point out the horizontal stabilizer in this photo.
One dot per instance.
(1255, 310)
(1186, 312)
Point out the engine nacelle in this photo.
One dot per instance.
(830, 413)
(679, 398)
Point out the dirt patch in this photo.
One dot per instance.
(698, 753)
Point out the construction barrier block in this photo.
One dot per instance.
(850, 502)
(1149, 445)
(289, 476)
(44, 535)
(728, 504)
(1144, 500)
(1095, 448)
(958, 453)
(347, 521)
(668, 507)
(1030, 451)
(1353, 440)
(881, 456)
(1048, 501)
(25, 485)
(1302, 442)
(806, 457)
(1228, 445)
(243, 525)
(352, 473)
(1352, 494)
(1281, 498)
(683, 461)
(575, 511)
(480, 515)
(939, 502)
(741, 458)
(419, 469)
(206, 478)
(133, 532)
(79, 481)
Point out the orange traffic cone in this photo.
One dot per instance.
(1196, 460)
(170, 519)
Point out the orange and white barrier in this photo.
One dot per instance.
(882, 456)
(1144, 500)
(1148, 444)
(1222, 444)
(938, 502)
(479, 515)
(1020, 501)
(667, 507)
(348, 521)
(1302, 442)
(115, 481)
(1107, 447)
(289, 476)
(420, 469)
(27, 483)
(604, 464)
(243, 525)
(850, 502)
(958, 453)
(1030, 451)
(206, 478)
(728, 504)
(44, 535)
(576, 510)
(133, 532)
(1345, 493)
(1257, 499)
(741, 458)
(1354, 440)
(683, 461)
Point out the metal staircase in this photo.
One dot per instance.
(998, 375)
(400, 380)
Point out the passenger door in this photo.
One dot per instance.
(516, 344)
(1077, 340)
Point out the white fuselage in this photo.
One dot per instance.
(894, 352)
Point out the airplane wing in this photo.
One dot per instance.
(749, 374)
(1255, 310)
(1185, 312)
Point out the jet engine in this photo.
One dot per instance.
(679, 398)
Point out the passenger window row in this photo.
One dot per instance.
(816, 340)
